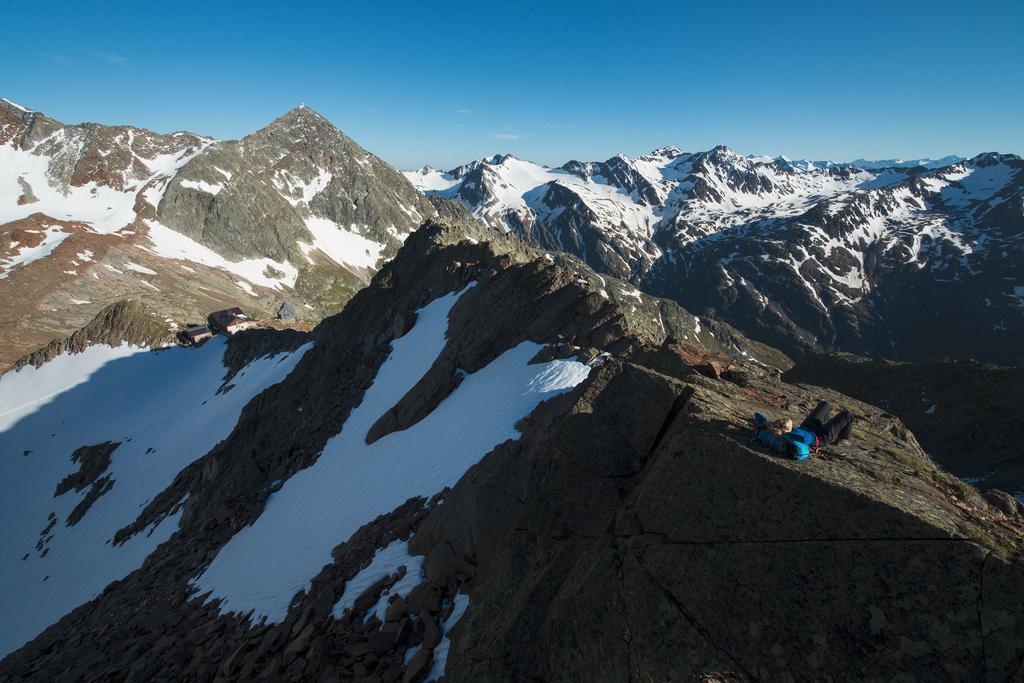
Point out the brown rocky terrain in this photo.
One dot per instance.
(632, 532)
(54, 296)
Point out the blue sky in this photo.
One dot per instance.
(443, 83)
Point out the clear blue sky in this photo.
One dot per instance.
(443, 83)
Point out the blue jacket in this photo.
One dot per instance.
(797, 443)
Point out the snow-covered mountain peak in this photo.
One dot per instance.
(501, 159)
(722, 153)
(874, 164)
(666, 215)
(668, 152)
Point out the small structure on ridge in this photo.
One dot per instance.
(230, 321)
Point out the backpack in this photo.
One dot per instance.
(799, 443)
(796, 447)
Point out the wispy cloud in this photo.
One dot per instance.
(58, 58)
(507, 134)
(464, 111)
(558, 126)
(111, 57)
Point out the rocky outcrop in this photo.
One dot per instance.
(92, 462)
(632, 531)
(21, 127)
(124, 322)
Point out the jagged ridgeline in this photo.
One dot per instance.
(491, 465)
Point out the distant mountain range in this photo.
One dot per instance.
(897, 259)
(867, 164)
(908, 261)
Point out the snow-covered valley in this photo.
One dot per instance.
(160, 410)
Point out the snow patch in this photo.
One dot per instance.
(203, 186)
(440, 661)
(52, 239)
(139, 269)
(344, 247)
(385, 561)
(173, 245)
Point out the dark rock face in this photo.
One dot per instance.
(619, 172)
(93, 461)
(631, 532)
(967, 415)
(248, 218)
(572, 225)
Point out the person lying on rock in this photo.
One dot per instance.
(809, 437)
(837, 430)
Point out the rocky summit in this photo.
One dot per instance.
(493, 464)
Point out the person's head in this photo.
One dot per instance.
(781, 426)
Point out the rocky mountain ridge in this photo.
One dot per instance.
(94, 214)
(606, 479)
(803, 258)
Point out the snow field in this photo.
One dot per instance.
(106, 209)
(173, 245)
